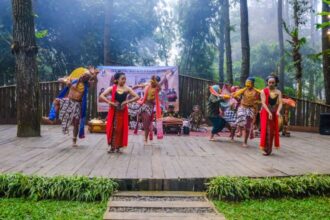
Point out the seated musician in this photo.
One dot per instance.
(171, 112)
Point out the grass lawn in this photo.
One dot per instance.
(50, 209)
(307, 208)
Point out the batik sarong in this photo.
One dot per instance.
(245, 117)
(70, 110)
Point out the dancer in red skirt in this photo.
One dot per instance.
(117, 123)
(271, 99)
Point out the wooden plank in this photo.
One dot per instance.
(307, 114)
(312, 115)
(174, 157)
(317, 114)
(304, 129)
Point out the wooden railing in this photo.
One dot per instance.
(307, 114)
(192, 91)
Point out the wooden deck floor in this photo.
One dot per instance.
(173, 157)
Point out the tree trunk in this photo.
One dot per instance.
(297, 58)
(287, 12)
(313, 9)
(245, 43)
(229, 63)
(326, 56)
(281, 42)
(107, 30)
(311, 87)
(27, 88)
(221, 46)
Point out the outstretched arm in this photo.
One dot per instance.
(143, 85)
(134, 99)
(65, 80)
(239, 93)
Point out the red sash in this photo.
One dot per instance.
(111, 114)
(263, 122)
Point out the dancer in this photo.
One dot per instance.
(213, 110)
(247, 108)
(148, 102)
(72, 109)
(117, 122)
(271, 99)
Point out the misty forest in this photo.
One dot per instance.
(220, 40)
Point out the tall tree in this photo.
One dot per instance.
(27, 88)
(300, 7)
(245, 42)
(326, 49)
(107, 32)
(229, 64)
(281, 42)
(313, 22)
(287, 12)
(196, 38)
(221, 46)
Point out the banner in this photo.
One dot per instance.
(141, 75)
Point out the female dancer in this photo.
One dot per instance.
(117, 123)
(213, 110)
(148, 102)
(271, 99)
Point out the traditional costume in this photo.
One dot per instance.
(149, 101)
(117, 122)
(213, 110)
(269, 128)
(69, 109)
(248, 106)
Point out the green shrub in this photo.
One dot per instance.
(61, 188)
(242, 188)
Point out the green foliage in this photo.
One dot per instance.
(49, 209)
(259, 83)
(41, 34)
(242, 188)
(288, 208)
(289, 91)
(61, 188)
(264, 59)
(197, 39)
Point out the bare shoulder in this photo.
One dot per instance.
(128, 89)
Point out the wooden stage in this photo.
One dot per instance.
(174, 157)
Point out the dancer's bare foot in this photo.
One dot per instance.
(74, 142)
(244, 145)
(110, 150)
(264, 153)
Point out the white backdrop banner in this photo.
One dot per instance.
(139, 75)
